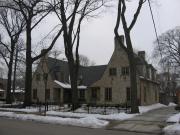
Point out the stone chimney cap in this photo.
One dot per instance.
(142, 54)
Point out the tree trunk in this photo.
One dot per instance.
(133, 76)
(14, 78)
(9, 81)
(73, 76)
(28, 74)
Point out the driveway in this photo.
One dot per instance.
(150, 122)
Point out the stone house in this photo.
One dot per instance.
(104, 84)
(3, 87)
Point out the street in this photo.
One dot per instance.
(17, 127)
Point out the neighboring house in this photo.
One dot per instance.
(168, 85)
(104, 84)
(178, 90)
(3, 87)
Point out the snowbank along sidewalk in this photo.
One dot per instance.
(174, 128)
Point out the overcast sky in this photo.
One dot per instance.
(97, 37)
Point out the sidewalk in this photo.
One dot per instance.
(151, 122)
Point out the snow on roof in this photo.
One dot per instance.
(18, 91)
(68, 86)
(1, 90)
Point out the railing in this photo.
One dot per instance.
(86, 108)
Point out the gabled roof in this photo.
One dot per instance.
(89, 74)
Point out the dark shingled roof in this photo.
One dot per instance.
(89, 74)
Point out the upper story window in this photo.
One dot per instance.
(38, 77)
(125, 71)
(112, 71)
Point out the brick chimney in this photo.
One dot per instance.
(142, 54)
(45, 56)
(117, 44)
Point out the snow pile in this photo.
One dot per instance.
(172, 104)
(91, 122)
(1, 90)
(26, 110)
(118, 116)
(172, 129)
(175, 118)
(143, 109)
(175, 128)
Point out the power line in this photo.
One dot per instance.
(155, 27)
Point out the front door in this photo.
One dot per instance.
(67, 94)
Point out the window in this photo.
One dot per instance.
(82, 94)
(145, 94)
(125, 71)
(1, 94)
(34, 93)
(62, 76)
(95, 92)
(112, 71)
(108, 94)
(38, 77)
(156, 95)
(128, 94)
(47, 94)
(45, 76)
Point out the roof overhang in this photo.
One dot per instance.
(68, 86)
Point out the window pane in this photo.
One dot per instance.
(108, 94)
(112, 71)
(128, 94)
(47, 94)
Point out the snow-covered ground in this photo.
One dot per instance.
(26, 110)
(79, 118)
(172, 104)
(101, 110)
(173, 129)
(143, 109)
(118, 116)
(115, 116)
(174, 119)
(91, 122)
(1, 102)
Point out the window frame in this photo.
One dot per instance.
(112, 71)
(35, 94)
(125, 70)
(108, 94)
(48, 94)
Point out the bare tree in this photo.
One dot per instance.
(129, 49)
(75, 11)
(85, 61)
(13, 23)
(33, 12)
(167, 48)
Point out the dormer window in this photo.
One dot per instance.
(38, 77)
(112, 71)
(125, 71)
